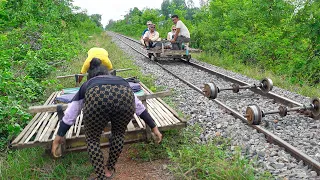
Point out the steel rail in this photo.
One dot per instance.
(271, 138)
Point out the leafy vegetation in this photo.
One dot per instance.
(280, 36)
(37, 36)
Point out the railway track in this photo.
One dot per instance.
(269, 100)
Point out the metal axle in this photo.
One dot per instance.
(211, 90)
(254, 114)
(235, 87)
(283, 110)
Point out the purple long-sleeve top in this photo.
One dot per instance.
(74, 108)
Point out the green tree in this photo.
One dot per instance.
(165, 8)
(36, 37)
(97, 19)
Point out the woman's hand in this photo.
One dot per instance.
(156, 131)
(55, 144)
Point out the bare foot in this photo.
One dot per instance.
(108, 172)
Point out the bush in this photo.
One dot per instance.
(36, 37)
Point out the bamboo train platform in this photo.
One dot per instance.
(42, 129)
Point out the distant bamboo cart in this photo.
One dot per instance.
(42, 129)
(161, 51)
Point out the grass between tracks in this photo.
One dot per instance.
(189, 159)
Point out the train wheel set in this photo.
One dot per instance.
(254, 114)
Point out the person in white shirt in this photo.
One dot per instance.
(150, 37)
(182, 34)
(171, 33)
(149, 23)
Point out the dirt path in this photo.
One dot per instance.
(128, 169)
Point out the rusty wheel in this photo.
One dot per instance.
(254, 114)
(210, 90)
(316, 110)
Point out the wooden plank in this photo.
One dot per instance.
(86, 74)
(47, 108)
(46, 123)
(155, 117)
(36, 127)
(53, 123)
(131, 126)
(71, 75)
(171, 110)
(53, 107)
(167, 107)
(32, 121)
(42, 127)
(76, 124)
(176, 126)
(80, 143)
(21, 135)
(160, 117)
(167, 112)
(164, 104)
(155, 120)
(168, 116)
(25, 136)
(132, 136)
(139, 121)
(80, 124)
(161, 112)
(69, 133)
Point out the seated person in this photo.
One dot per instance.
(149, 23)
(150, 37)
(171, 33)
(170, 36)
(182, 34)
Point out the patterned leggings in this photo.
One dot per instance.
(102, 104)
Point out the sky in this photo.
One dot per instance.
(115, 9)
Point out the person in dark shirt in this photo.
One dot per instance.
(104, 98)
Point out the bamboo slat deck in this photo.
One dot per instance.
(43, 127)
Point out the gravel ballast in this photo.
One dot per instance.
(298, 130)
